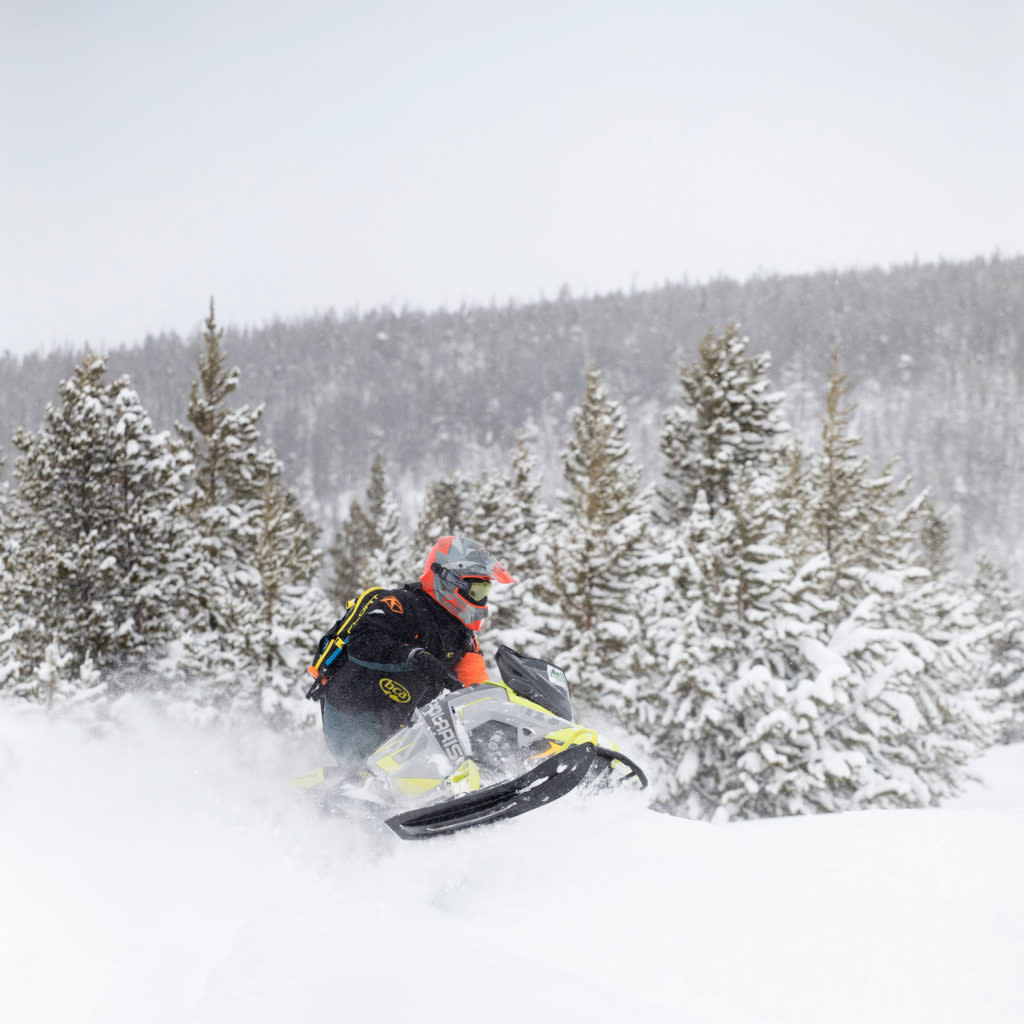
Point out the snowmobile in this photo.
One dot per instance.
(478, 754)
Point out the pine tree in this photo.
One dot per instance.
(388, 562)
(729, 420)
(446, 508)
(767, 708)
(509, 520)
(794, 502)
(911, 723)
(13, 619)
(811, 664)
(59, 679)
(348, 555)
(1001, 608)
(231, 464)
(730, 607)
(934, 538)
(4, 497)
(900, 639)
(282, 625)
(258, 552)
(369, 549)
(854, 518)
(231, 467)
(599, 554)
(101, 545)
(730, 619)
(5, 543)
(484, 517)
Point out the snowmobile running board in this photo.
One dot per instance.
(553, 777)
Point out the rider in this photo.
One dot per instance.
(413, 643)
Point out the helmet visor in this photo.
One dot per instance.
(477, 590)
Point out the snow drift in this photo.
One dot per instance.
(155, 871)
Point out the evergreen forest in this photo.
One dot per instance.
(769, 529)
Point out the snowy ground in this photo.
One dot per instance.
(152, 873)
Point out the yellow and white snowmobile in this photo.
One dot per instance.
(479, 754)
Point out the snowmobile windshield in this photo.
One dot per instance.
(537, 680)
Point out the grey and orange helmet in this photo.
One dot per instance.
(458, 575)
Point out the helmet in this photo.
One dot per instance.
(458, 575)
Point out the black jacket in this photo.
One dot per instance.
(375, 674)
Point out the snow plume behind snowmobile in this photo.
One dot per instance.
(480, 754)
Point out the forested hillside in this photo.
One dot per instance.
(935, 354)
(779, 620)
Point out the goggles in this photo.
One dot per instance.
(477, 590)
(473, 588)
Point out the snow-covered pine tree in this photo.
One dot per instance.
(729, 419)
(388, 562)
(898, 644)
(934, 537)
(446, 506)
(599, 555)
(730, 609)
(347, 555)
(58, 679)
(908, 725)
(5, 539)
(284, 624)
(231, 467)
(729, 619)
(793, 501)
(944, 609)
(12, 624)
(4, 496)
(1001, 608)
(485, 510)
(237, 503)
(856, 519)
(509, 520)
(812, 663)
(766, 707)
(100, 544)
(231, 462)
(369, 549)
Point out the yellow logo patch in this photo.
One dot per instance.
(395, 690)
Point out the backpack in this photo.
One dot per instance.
(332, 644)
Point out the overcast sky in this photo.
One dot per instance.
(289, 158)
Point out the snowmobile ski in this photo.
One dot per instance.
(553, 777)
(606, 757)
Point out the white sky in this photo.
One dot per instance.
(288, 158)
